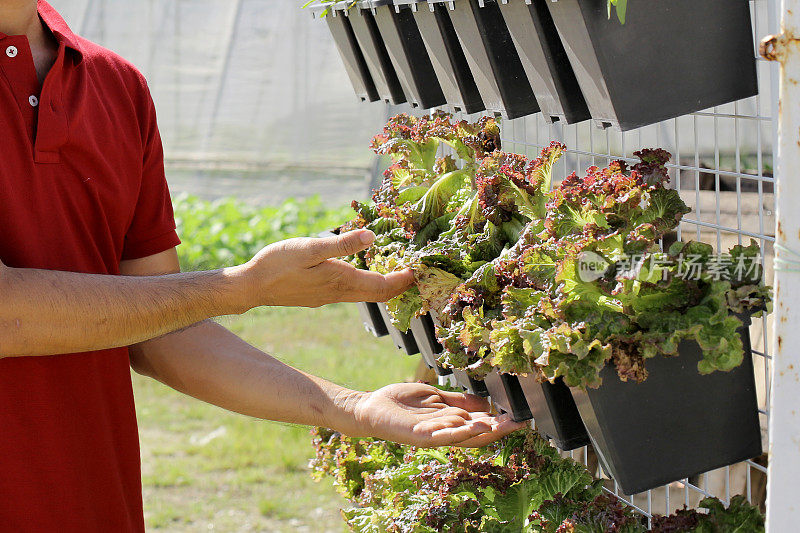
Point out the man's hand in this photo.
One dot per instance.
(421, 415)
(47, 312)
(305, 272)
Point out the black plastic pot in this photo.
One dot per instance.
(403, 340)
(506, 393)
(375, 55)
(424, 332)
(667, 60)
(354, 63)
(447, 58)
(554, 412)
(372, 319)
(545, 61)
(462, 378)
(496, 66)
(470, 384)
(408, 54)
(675, 424)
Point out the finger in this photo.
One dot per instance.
(451, 436)
(340, 245)
(442, 422)
(481, 416)
(449, 411)
(503, 427)
(469, 402)
(367, 286)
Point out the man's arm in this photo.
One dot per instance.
(212, 364)
(45, 312)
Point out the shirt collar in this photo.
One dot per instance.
(59, 28)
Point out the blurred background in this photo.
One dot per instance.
(245, 90)
(264, 140)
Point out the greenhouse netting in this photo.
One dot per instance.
(243, 89)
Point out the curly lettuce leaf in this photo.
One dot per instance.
(435, 287)
(404, 307)
(739, 517)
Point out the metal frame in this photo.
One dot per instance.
(783, 513)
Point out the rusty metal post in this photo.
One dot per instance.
(783, 506)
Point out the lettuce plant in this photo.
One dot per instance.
(520, 484)
(446, 216)
(588, 285)
(555, 283)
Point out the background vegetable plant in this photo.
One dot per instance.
(228, 231)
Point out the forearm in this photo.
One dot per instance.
(212, 364)
(45, 312)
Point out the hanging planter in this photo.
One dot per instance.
(667, 60)
(447, 57)
(403, 340)
(408, 54)
(354, 63)
(691, 422)
(506, 393)
(544, 60)
(424, 332)
(371, 317)
(554, 412)
(376, 56)
(492, 57)
(470, 384)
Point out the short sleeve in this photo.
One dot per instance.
(152, 227)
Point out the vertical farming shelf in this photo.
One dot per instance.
(723, 167)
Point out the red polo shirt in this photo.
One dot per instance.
(81, 188)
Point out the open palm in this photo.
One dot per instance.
(421, 415)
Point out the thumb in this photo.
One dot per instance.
(341, 245)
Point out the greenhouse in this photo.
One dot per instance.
(402, 266)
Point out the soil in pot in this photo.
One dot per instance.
(506, 393)
(667, 60)
(675, 424)
(371, 317)
(403, 340)
(554, 412)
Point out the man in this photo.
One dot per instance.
(83, 199)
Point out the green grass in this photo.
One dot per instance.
(205, 468)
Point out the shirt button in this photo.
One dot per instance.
(33, 101)
(11, 51)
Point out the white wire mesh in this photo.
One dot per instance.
(723, 167)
